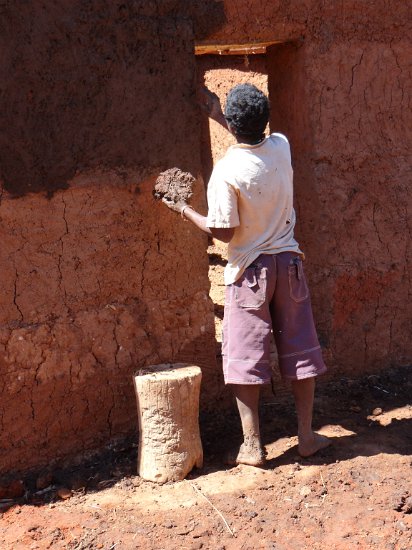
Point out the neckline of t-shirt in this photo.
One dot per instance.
(248, 145)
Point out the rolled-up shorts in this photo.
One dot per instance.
(271, 294)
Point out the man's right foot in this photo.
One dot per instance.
(312, 446)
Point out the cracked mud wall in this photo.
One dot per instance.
(98, 97)
(340, 87)
(98, 280)
(352, 166)
(91, 291)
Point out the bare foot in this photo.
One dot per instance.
(312, 446)
(250, 453)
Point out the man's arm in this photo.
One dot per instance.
(210, 103)
(224, 234)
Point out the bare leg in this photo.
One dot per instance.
(247, 399)
(309, 441)
(251, 452)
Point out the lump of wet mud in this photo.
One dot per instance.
(175, 185)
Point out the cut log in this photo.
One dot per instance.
(168, 413)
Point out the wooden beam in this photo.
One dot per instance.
(234, 49)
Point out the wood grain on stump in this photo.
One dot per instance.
(168, 413)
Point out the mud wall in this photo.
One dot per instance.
(340, 88)
(97, 280)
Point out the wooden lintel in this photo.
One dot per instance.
(234, 49)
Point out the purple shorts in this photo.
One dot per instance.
(272, 294)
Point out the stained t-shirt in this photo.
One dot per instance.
(251, 189)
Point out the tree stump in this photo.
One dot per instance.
(168, 413)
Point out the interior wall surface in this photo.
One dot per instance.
(340, 88)
(97, 279)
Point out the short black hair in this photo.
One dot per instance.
(247, 111)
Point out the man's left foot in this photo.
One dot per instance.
(310, 447)
(252, 455)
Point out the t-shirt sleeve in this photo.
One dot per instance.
(222, 201)
(283, 140)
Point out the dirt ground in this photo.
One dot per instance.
(355, 494)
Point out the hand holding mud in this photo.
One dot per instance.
(174, 188)
(178, 207)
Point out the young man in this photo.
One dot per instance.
(250, 201)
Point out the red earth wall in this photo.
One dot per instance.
(98, 280)
(339, 82)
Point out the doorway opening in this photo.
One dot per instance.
(219, 68)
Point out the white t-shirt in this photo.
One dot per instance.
(251, 189)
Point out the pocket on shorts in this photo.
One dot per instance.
(298, 287)
(250, 289)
